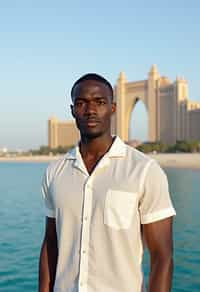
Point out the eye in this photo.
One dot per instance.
(79, 103)
(101, 101)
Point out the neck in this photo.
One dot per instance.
(96, 146)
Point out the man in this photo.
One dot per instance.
(104, 202)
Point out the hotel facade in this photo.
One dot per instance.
(172, 116)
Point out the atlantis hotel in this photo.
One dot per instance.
(172, 116)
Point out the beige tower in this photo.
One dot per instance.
(153, 103)
(166, 105)
(127, 95)
(121, 109)
(52, 132)
(182, 100)
(193, 120)
(62, 133)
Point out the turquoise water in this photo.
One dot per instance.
(22, 226)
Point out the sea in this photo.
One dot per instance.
(22, 225)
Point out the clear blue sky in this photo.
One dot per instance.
(46, 45)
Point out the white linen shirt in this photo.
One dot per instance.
(99, 217)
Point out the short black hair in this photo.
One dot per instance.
(92, 76)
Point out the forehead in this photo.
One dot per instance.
(91, 87)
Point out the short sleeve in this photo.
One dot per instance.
(48, 203)
(155, 203)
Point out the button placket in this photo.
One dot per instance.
(87, 209)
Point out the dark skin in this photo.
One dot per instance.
(48, 257)
(158, 236)
(92, 109)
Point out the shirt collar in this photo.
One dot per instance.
(118, 149)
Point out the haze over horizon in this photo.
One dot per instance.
(47, 45)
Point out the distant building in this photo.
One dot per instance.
(171, 115)
(62, 133)
(3, 150)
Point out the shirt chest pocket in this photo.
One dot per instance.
(119, 209)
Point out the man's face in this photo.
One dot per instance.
(92, 108)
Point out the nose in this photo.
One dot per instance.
(90, 107)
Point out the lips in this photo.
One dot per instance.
(92, 122)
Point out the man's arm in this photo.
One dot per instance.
(158, 237)
(48, 257)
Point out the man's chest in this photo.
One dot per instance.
(109, 192)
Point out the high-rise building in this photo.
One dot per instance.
(62, 133)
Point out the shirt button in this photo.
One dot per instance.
(85, 218)
(81, 284)
(84, 251)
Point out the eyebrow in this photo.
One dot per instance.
(95, 98)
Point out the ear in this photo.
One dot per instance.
(72, 111)
(113, 107)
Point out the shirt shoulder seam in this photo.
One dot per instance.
(144, 174)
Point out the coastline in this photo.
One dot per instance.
(34, 158)
(173, 160)
(178, 160)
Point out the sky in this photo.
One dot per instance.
(46, 45)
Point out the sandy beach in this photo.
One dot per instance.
(35, 158)
(178, 160)
(175, 160)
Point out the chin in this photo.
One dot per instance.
(91, 135)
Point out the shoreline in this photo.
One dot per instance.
(178, 160)
(34, 158)
(173, 160)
